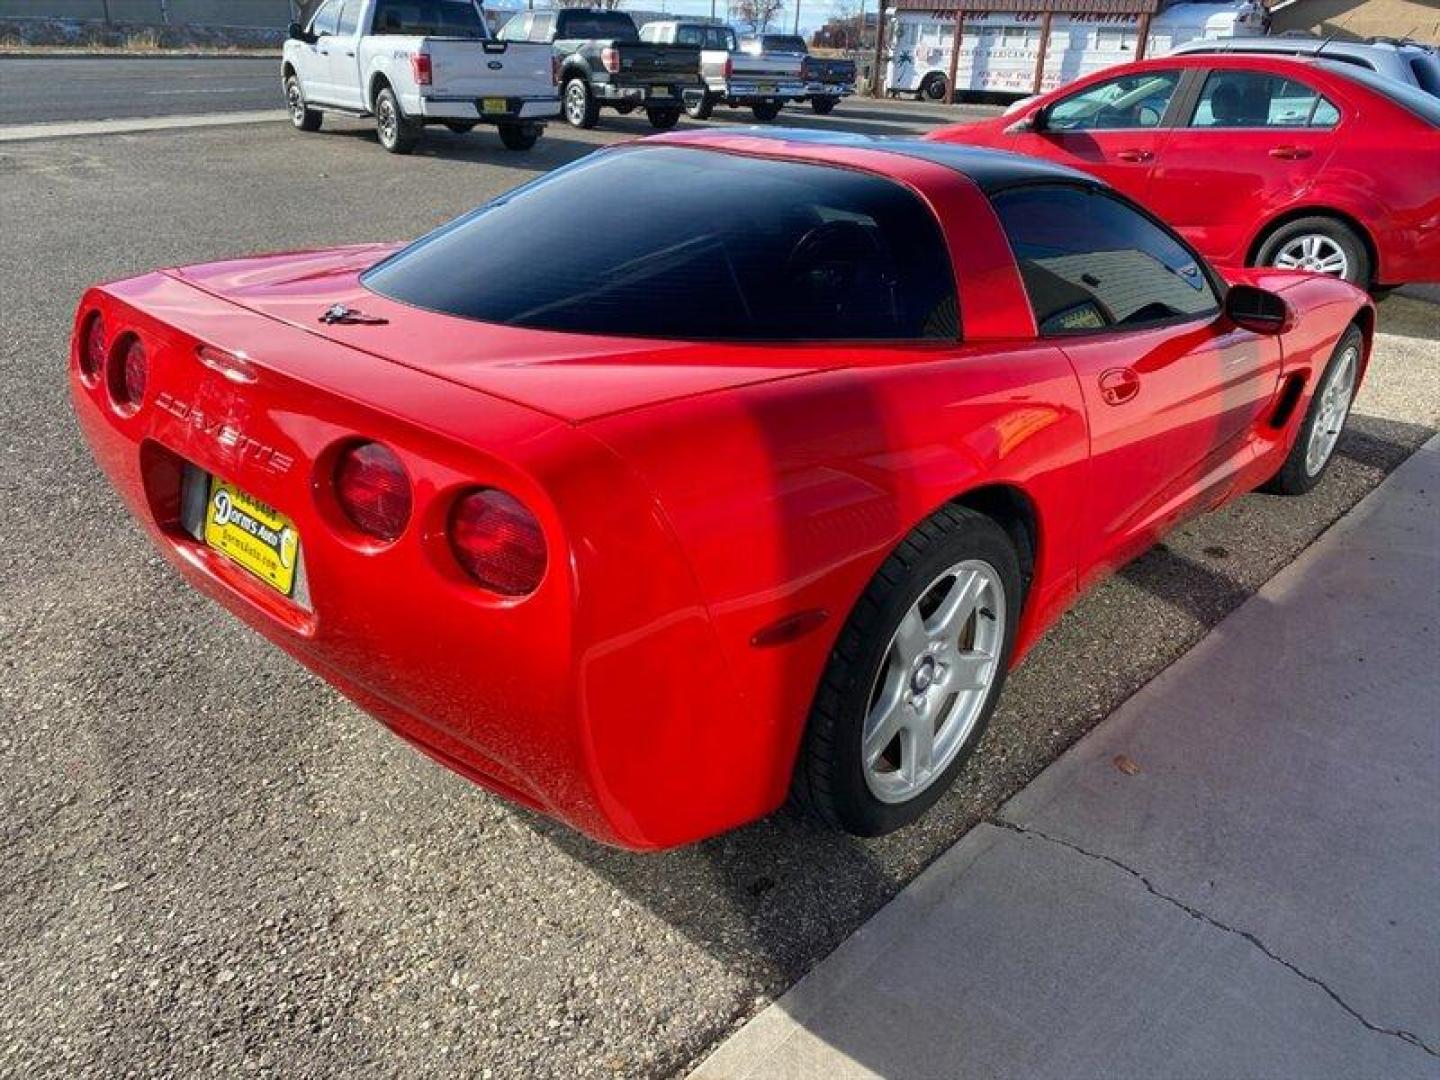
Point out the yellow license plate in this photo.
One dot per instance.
(660, 91)
(766, 88)
(495, 104)
(258, 537)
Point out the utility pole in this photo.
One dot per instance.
(859, 49)
(797, 18)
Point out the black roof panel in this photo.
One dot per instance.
(991, 170)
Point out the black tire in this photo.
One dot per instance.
(824, 106)
(765, 111)
(1296, 477)
(461, 127)
(302, 117)
(397, 134)
(1324, 229)
(829, 780)
(932, 87)
(663, 119)
(581, 108)
(519, 136)
(699, 106)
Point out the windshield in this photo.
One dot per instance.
(1410, 98)
(430, 18)
(691, 244)
(591, 25)
(706, 37)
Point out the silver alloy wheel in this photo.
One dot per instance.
(933, 683)
(1334, 407)
(1316, 252)
(386, 122)
(575, 102)
(295, 100)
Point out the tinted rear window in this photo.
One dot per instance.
(586, 25)
(692, 244)
(783, 43)
(432, 18)
(1410, 98)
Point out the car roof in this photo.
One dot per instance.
(989, 170)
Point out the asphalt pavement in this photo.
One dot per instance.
(42, 89)
(1205, 885)
(209, 861)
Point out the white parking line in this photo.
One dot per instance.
(66, 129)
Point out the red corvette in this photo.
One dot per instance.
(762, 493)
(1257, 160)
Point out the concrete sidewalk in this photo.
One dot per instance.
(1260, 898)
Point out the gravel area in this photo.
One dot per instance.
(209, 861)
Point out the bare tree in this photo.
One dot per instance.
(756, 15)
(608, 5)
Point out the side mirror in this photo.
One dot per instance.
(1258, 310)
(296, 32)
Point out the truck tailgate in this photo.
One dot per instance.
(781, 66)
(463, 68)
(642, 60)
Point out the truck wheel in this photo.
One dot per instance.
(581, 110)
(461, 127)
(933, 86)
(914, 676)
(765, 111)
(303, 117)
(397, 134)
(824, 106)
(519, 136)
(663, 119)
(699, 106)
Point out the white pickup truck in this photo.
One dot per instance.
(409, 63)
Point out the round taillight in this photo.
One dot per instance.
(498, 542)
(373, 490)
(128, 369)
(92, 348)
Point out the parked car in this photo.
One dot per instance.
(764, 493)
(409, 63)
(1257, 160)
(827, 79)
(729, 76)
(1406, 61)
(601, 61)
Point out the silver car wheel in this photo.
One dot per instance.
(932, 685)
(386, 122)
(1314, 252)
(1332, 411)
(575, 102)
(294, 99)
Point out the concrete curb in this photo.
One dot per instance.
(71, 129)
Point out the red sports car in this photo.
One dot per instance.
(712, 467)
(1257, 160)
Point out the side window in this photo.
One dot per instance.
(349, 18)
(1325, 115)
(1131, 101)
(1091, 263)
(327, 19)
(540, 29)
(689, 35)
(1253, 99)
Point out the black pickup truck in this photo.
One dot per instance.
(827, 79)
(600, 60)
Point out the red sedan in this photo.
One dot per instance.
(1257, 160)
(709, 468)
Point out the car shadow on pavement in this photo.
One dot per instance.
(1412, 312)
(482, 146)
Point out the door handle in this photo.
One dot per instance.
(1289, 153)
(1134, 155)
(349, 52)
(1118, 385)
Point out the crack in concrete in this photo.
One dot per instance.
(1195, 913)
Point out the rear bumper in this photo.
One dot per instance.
(836, 90)
(474, 109)
(664, 92)
(749, 91)
(557, 700)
